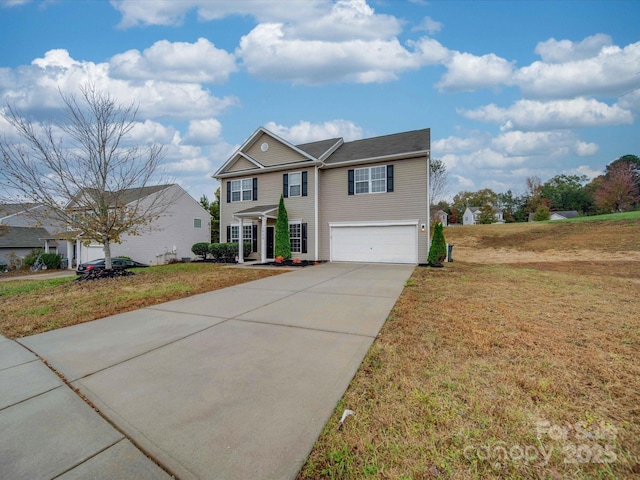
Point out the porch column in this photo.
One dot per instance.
(69, 254)
(240, 241)
(46, 245)
(263, 239)
(78, 252)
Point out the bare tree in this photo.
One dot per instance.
(85, 171)
(437, 180)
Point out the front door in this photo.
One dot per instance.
(270, 241)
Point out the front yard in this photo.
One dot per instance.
(28, 307)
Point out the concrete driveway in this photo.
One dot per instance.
(236, 383)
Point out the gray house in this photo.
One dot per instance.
(362, 201)
(472, 214)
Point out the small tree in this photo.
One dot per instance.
(283, 241)
(487, 215)
(542, 214)
(85, 170)
(438, 250)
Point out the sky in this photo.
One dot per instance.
(509, 89)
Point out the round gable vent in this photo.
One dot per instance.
(264, 147)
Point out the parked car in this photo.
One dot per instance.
(116, 263)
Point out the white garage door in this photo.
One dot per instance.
(375, 244)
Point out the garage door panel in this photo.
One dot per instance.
(374, 244)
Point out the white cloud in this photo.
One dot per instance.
(150, 132)
(464, 182)
(561, 51)
(428, 25)
(199, 62)
(305, 132)
(467, 72)
(611, 71)
(203, 132)
(34, 89)
(584, 149)
(557, 114)
(456, 144)
(13, 3)
(586, 170)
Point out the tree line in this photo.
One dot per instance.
(616, 190)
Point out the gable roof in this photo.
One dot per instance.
(24, 237)
(9, 209)
(566, 213)
(321, 148)
(416, 142)
(123, 197)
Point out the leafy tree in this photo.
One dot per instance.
(282, 247)
(214, 210)
(487, 214)
(466, 199)
(542, 214)
(83, 169)
(567, 192)
(618, 190)
(512, 206)
(534, 195)
(438, 249)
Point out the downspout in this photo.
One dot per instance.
(315, 213)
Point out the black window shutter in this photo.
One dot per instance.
(285, 185)
(389, 178)
(255, 188)
(228, 233)
(304, 238)
(351, 182)
(254, 239)
(304, 184)
(228, 191)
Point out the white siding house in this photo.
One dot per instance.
(471, 215)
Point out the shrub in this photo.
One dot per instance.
(32, 256)
(438, 250)
(51, 260)
(215, 249)
(201, 248)
(542, 214)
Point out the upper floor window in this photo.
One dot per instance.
(242, 190)
(294, 184)
(376, 179)
(197, 223)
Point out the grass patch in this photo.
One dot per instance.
(34, 306)
(498, 371)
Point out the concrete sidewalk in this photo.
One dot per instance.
(236, 383)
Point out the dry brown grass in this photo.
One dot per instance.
(482, 370)
(28, 307)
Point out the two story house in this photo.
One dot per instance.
(472, 214)
(358, 201)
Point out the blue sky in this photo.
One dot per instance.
(510, 89)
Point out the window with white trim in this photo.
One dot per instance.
(295, 184)
(295, 236)
(371, 179)
(197, 223)
(241, 190)
(247, 230)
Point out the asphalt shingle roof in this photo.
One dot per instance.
(24, 237)
(317, 149)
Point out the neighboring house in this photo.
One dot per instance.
(559, 215)
(182, 224)
(26, 226)
(18, 242)
(360, 201)
(471, 215)
(442, 217)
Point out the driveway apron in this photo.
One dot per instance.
(236, 383)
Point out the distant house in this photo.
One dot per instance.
(26, 226)
(442, 217)
(559, 215)
(472, 214)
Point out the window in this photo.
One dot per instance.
(247, 230)
(295, 184)
(197, 223)
(241, 190)
(295, 236)
(371, 179)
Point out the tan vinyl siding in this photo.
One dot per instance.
(241, 164)
(277, 154)
(407, 202)
(269, 191)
